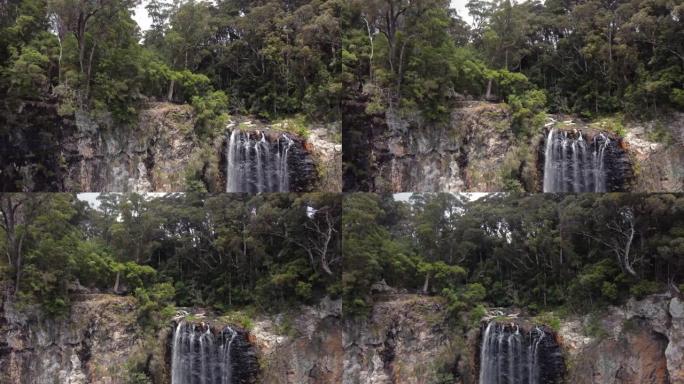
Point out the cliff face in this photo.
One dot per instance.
(641, 342)
(303, 347)
(159, 152)
(405, 339)
(92, 345)
(464, 154)
(476, 150)
(659, 165)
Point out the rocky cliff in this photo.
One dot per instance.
(640, 342)
(93, 344)
(464, 154)
(301, 347)
(405, 339)
(659, 163)
(159, 152)
(476, 150)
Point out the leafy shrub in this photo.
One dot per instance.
(136, 275)
(211, 112)
(660, 134)
(296, 124)
(677, 97)
(511, 83)
(550, 319)
(155, 305)
(242, 318)
(644, 288)
(528, 111)
(609, 290)
(612, 124)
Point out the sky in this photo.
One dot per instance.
(472, 196)
(91, 197)
(460, 7)
(141, 17)
(144, 21)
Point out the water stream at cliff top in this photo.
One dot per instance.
(255, 164)
(572, 164)
(200, 357)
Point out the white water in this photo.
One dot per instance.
(509, 357)
(256, 165)
(200, 357)
(573, 164)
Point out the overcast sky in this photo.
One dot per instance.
(144, 21)
(472, 196)
(91, 197)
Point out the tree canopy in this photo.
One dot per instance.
(591, 57)
(224, 252)
(579, 252)
(269, 58)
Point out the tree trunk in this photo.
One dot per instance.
(488, 95)
(370, 59)
(169, 92)
(18, 275)
(116, 283)
(426, 284)
(90, 69)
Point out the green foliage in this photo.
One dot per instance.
(297, 125)
(550, 319)
(645, 288)
(242, 318)
(515, 83)
(272, 59)
(677, 97)
(660, 134)
(613, 124)
(539, 252)
(428, 54)
(155, 304)
(528, 112)
(27, 75)
(135, 369)
(594, 282)
(211, 113)
(138, 378)
(136, 275)
(594, 328)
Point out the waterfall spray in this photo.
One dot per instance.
(200, 357)
(573, 165)
(508, 356)
(253, 164)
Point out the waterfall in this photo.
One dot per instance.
(507, 356)
(572, 164)
(200, 357)
(253, 164)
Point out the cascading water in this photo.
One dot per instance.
(200, 357)
(254, 164)
(572, 164)
(509, 356)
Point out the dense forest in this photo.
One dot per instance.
(269, 58)
(226, 252)
(576, 253)
(587, 57)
